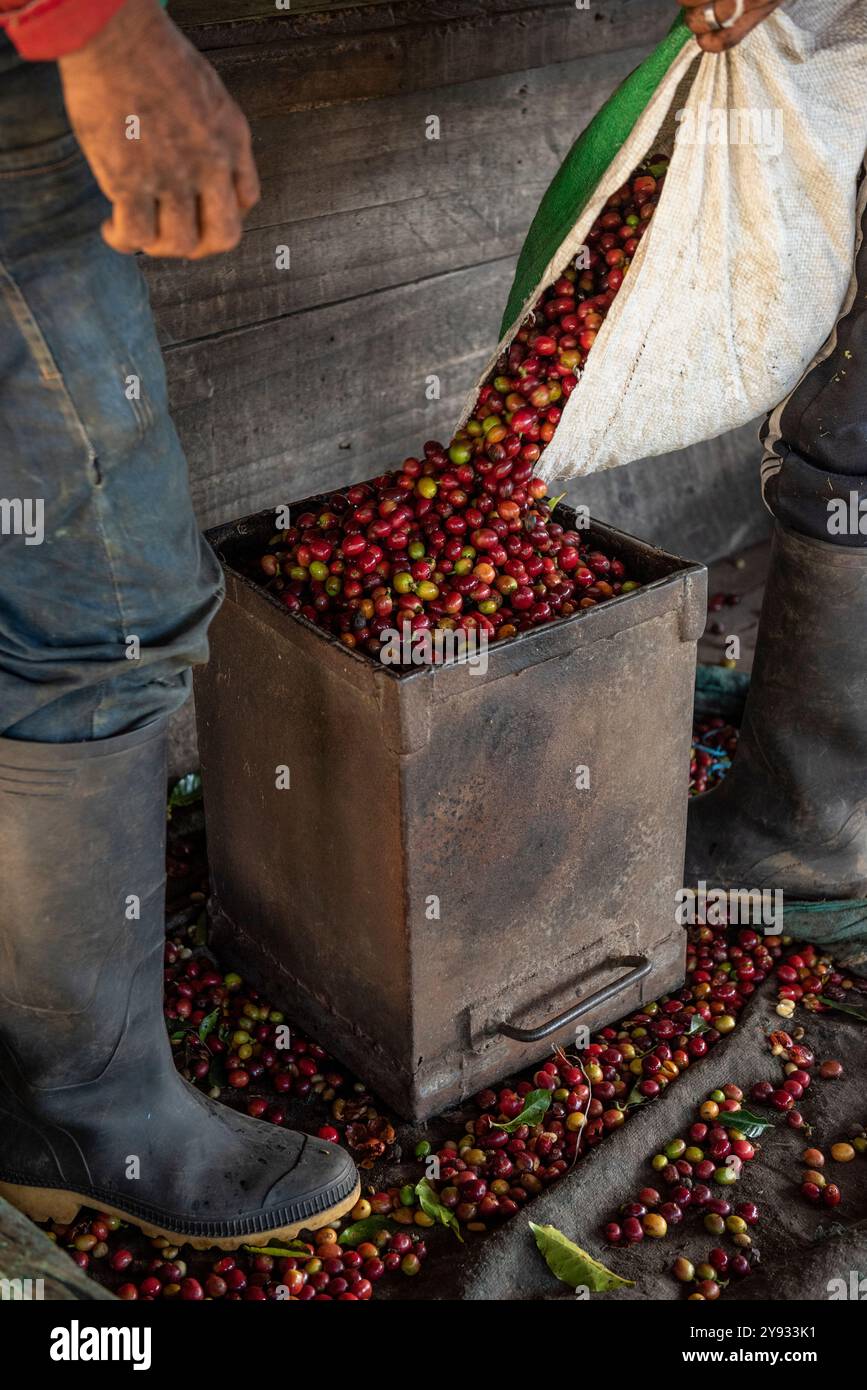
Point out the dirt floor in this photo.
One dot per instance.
(742, 578)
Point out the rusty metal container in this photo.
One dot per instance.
(433, 896)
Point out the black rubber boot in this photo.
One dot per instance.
(92, 1109)
(792, 814)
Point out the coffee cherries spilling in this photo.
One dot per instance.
(462, 537)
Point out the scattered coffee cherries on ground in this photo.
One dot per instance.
(461, 536)
(808, 978)
(815, 1186)
(693, 1170)
(831, 1070)
(486, 1174)
(714, 744)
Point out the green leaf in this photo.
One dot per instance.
(696, 1025)
(843, 1008)
(208, 1024)
(360, 1231)
(657, 169)
(552, 503)
(573, 1265)
(536, 1106)
(181, 1033)
(635, 1096)
(431, 1204)
(187, 791)
(751, 1126)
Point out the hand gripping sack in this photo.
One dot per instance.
(746, 263)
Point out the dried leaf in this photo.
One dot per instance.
(573, 1265)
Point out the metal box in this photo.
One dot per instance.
(435, 895)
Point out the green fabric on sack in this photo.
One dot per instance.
(584, 166)
(838, 927)
(721, 690)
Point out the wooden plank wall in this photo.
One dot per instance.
(287, 381)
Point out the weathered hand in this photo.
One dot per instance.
(716, 40)
(166, 143)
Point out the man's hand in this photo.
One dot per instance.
(180, 187)
(715, 40)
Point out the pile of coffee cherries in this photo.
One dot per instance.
(228, 1039)
(462, 536)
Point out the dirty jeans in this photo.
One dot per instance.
(816, 440)
(106, 586)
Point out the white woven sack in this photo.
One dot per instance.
(747, 260)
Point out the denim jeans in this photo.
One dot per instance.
(106, 585)
(816, 440)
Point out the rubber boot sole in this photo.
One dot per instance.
(56, 1204)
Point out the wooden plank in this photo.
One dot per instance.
(270, 75)
(205, 14)
(214, 24)
(35, 1267)
(379, 204)
(312, 401)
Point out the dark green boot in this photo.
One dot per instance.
(792, 814)
(92, 1109)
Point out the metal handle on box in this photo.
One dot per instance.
(641, 968)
